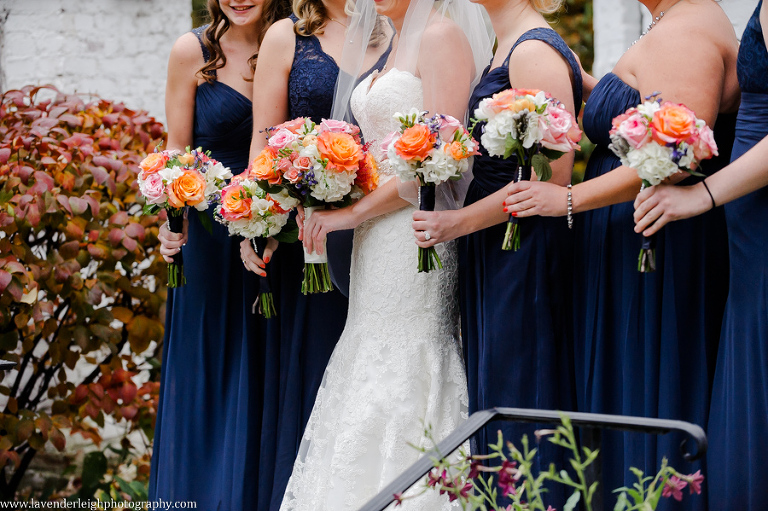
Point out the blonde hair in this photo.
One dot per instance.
(547, 6)
(312, 17)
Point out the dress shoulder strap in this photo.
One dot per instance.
(200, 33)
(553, 39)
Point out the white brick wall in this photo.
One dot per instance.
(115, 48)
(618, 23)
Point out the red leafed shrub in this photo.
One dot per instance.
(81, 281)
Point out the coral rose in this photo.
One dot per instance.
(293, 126)
(152, 164)
(415, 143)
(510, 100)
(368, 174)
(672, 124)
(457, 150)
(235, 205)
(187, 159)
(187, 190)
(262, 168)
(341, 150)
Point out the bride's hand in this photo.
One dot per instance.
(324, 221)
(252, 261)
(441, 226)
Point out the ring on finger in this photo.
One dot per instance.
(427, 237)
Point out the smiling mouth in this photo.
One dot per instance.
(241, 8)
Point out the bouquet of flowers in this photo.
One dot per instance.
(659, 139)
(319, 165)
(173, 181)
(431, 150)
(249, 211)
(534, 127)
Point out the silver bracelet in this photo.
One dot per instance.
(570, 206)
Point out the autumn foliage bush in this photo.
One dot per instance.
(81, 281)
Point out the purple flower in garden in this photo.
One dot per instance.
(674, 488)
(695, 481)
(474, 469)
(463, 493)
(436, 479)
(398, 499)
(508, 476)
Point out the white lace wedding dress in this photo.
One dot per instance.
(397, 366)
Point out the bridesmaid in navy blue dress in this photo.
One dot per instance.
(739, 413)
(295, 78)
(646, 343)
(515, 306)
(206, 444)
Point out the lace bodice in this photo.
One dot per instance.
(373, 105)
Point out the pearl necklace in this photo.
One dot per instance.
(650, 26)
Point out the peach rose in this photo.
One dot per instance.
(262, 168)
(276, 206)
(672, 124)
(415, 143)
(187, 190)
(235, 205)
(368, 174)
(509, 100)
(187, 159)
(153, 163)
(457, 150)
(293, 126)
(341, 150)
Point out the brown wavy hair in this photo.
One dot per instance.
(271, 11)
(312, 17)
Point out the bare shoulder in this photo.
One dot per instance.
(187, 51)
(280, 34)
(443, 34)
(534, 52)
(699, 23)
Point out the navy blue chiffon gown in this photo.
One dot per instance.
(206, 446)
(308, 334)
(646, 343)
(516, 311)
(738, 421)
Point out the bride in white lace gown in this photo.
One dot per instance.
(397, 367)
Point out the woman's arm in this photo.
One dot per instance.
(662, 204)
(181, 85)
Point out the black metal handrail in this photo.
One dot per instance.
(591, 421)
(6, 365)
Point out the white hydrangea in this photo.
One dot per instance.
(439, 167)
(653, 163)
(332, 186)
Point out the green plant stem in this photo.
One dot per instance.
(317, 278)
(429, 259)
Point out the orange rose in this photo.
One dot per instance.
(186, 159)
(415, 143)
(457, 150)
(263, 169)
(673, 124)
(368, 174)
(276, 206)
(341, 150)
(187, 190)
(153, 163)
(235, 205)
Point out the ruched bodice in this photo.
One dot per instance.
(223, 123)
(610, 98)
(739, 413)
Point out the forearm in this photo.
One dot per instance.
(482, 214)
(381, 201)
(743, 176)
(619, 185)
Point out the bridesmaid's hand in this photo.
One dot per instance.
(530, 198)
(252, 261)
(324, 221)
(658, 205)
(441, 226)
(171, 242)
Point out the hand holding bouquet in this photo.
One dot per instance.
(249, 211)
(173, 181)
(658, 140)
(532, 126)
(319, 165)
(431, 150)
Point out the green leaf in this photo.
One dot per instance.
(289, 233)
(512, 146)
(151, 209)
(541, 166)
(94, 468)
(570, 504)
(551, 154)
(205, 220)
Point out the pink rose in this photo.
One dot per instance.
(335, 126)
(635, 131)
(303, 163)
(153, 189)
(282, 138)
(703, 143)
(292, 175)
(560, 130)
(448, 126)
(293, 156)
(388, 141)
(284, 164)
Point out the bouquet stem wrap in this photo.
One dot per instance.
(176, 268)
(265, 302)
(512, 236)
(428, 258)
(646, 261)
(317, 278)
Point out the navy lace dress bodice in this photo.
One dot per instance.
(645, 343)
(206, 446)
(739, 413)
(515, 306)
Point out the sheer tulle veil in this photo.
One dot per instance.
(363, 44)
